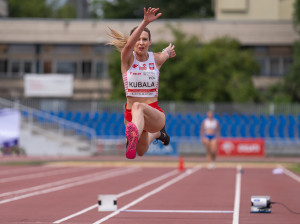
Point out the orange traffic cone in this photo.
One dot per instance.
(181, 164)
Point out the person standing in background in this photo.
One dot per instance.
(210, 132)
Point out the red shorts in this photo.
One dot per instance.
(128, 115)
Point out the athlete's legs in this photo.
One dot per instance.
(206, 142)
(213, 149)
(145, 141)
(149, 119)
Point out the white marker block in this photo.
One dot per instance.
(107, 202)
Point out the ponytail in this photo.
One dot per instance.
(119, 39)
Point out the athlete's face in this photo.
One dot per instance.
(210, 115)
(142, 45)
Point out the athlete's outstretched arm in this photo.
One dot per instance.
(168, 52)
(149, 16)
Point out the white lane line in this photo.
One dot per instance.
(139, 187)
(160, 188)
(22, 169)
(179, 211)
(237, 197)
(62, 187)
(56, 183)
(290, 174)
(40, 174)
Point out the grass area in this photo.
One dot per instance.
(23, 163)
(296, 168)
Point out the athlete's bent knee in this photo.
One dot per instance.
(137, 106)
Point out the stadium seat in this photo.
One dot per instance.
(281, 126)
(245, 119)
(243, 131)
(223, 130)
(263, 121)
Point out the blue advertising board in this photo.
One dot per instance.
(158, 149)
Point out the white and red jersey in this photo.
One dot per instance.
(141, 80)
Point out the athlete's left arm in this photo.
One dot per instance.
(161, 57)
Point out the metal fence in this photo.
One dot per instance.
(34, 118)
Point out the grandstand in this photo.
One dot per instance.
(103, 123)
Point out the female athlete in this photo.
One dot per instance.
(144, 119)
(210, 131)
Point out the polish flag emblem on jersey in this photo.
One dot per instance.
(151, 66)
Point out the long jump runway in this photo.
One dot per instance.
(145, 195)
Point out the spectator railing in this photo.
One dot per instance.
(45, 122)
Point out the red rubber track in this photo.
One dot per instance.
(202, 190)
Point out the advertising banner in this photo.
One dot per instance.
(159, 149)
(241, 147)
(9, 127)
(52, 85)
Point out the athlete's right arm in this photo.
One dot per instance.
(149, 16)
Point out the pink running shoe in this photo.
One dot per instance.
(132, 136)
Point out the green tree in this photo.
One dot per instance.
(216, 72)
(40, 9)
(134, 8)
(118, 91)
(29, 8)
(292, 79)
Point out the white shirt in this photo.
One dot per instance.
(141, 80)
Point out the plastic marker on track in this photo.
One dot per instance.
(137, 188)
(107, 202)
(143, 197)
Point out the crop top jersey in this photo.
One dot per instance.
(210, 124)
(141, 80)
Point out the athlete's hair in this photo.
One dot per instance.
(120, 39)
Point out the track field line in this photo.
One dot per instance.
(97, 177)
(290, 174)
(40, 174)
(22, 169)
(137, 188)
(156, 190)
(237, 197)
(180, 211)
(57, 183)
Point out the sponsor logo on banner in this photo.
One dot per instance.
(227, 147)
(159, 149)
(241, 147)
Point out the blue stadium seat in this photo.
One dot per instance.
(233, 130)
(245, 119)
(281, 126)
(243, 130)
(223, 130)
(69, 115)
(263, 121)
(236, 119)
(95, 116)
(86, 117)
(187, 129)
(252, 130)
(196, 129)
(77, 117)
(61, 114)
(198, 118)
(226, 118)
